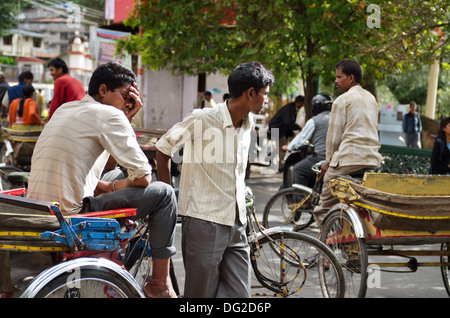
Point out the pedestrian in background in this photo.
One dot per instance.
(440, 157)
(209, 100)
(66, 87)
(15, 91)
(25, 110)
(285, 121)
(4, 86)
(412, 127)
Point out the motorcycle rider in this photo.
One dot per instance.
(315, 131)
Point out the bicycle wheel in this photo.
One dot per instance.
(338, 233)
(87, 283)
(445, 270)
(295, 264)
(289, 207)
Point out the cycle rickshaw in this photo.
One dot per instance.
(90, 250)
(383, 212)
(17, 144)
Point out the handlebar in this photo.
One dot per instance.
(317, 167)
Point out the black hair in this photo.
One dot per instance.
(248, 75)
(58, 63)
(27, 92)
(441, 134)
(351, 67)
(112, 74)
(300, 99)
(25, 75)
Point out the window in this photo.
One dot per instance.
(7, 40)
(37, 42)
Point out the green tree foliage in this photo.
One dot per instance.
(413, 86)
(8, 9)
(295, 38)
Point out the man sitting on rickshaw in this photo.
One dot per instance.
(74, 148)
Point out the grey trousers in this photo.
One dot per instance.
(157, 201)
(413, 140)
(216, 260)
(302, 170)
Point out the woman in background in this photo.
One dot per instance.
(24, 110)
(440, 157)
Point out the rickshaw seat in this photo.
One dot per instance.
(400, 202)
(411, 185)
(11, 201)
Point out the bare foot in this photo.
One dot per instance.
(158, 288)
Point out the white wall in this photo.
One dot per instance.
(167, 98)
(217, 84)
(391, 124)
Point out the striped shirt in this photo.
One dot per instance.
(215, 155)
(73, 149)
(352, 137)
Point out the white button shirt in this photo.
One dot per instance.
(212, 185)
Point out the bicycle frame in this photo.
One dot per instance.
(314, 192)
(276, 261)
(96, 234)
(255, 230)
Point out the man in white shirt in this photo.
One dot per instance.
(212, 188)
(74, 148)
(352, 137)
(209, 101)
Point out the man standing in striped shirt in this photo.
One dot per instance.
(212, 188)
(352, 138)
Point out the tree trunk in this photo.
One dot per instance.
(310, 92)
(369, 84)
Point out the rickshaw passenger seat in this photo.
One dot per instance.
(12, 200)
(17, 201)
(360, 173)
